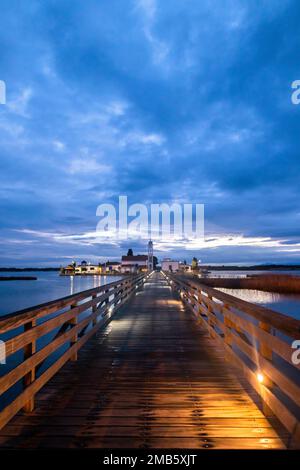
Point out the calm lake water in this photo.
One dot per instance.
(289, 304)
(16, 295)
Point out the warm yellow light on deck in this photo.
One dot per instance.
(260, 377)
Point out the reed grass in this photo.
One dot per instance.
(281, 283)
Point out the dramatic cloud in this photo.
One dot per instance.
(160, 101)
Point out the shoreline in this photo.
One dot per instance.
(92, 274)
(18, 278)
(24, 270)
(261, 267)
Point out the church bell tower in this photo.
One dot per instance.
(150, 255)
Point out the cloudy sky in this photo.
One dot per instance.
(163, 101)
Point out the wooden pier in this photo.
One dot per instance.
(151, 366)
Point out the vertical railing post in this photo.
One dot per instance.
(29, 378)
(264, 349)
(127, 288)
(191, 296)
(130, 287)
(74, 338)
(121, 285)
(199, 295)
(94, 309)
(227, 326)
(116, 292)
(210, 313)
(266, 353)
(106, 301)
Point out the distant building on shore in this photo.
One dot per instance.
(68, 270)
(150, 261)
(111, 267)
(169, 265)
(84, 268)
(87, 268)
(130, 264)
(134, 263)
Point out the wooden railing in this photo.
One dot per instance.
(257, 340)
(67, 324)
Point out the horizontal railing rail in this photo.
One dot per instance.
(70, 321)
(259, 341)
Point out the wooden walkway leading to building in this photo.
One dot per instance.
(152, 377)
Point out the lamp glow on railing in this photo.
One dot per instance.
(260, 377)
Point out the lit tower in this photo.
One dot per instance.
(150, 255)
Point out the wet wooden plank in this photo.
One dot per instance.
(160, 443)
(153, 431)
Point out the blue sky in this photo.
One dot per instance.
(161, 101)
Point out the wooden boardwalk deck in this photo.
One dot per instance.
(151, 378)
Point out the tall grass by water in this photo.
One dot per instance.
(280, 283)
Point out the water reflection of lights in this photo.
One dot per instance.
(254, 296)
(71, 285)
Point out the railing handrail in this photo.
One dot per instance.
(254, 347)
(18, 318)
(281, 322)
